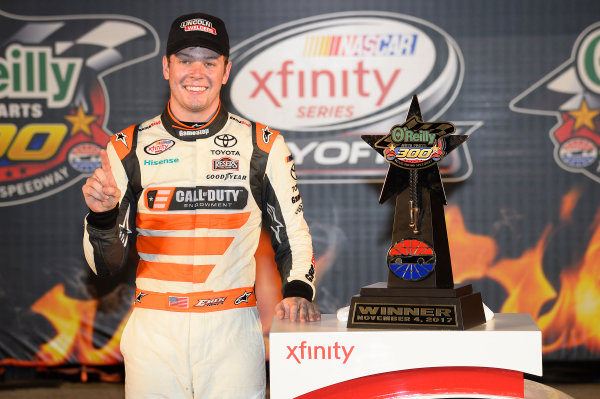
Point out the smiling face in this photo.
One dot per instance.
(195, 76)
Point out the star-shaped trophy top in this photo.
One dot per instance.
(411, 146)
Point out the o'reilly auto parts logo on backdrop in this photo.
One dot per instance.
(53, 104)
(330, 78)
(571, 94)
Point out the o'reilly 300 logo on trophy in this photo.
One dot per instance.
(413, 144)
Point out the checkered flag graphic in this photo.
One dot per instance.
(104, 41)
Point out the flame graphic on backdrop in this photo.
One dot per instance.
(73, 320)
(571, 321)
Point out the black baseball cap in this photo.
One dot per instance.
(198, 30)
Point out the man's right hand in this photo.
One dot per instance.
(100, 191)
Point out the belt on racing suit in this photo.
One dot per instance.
(200, 302)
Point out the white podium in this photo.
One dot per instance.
(327, 360)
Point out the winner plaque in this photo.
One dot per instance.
(420, 291)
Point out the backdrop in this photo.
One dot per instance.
(521, 78)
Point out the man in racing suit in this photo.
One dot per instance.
(192, 196)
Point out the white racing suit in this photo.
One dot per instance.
(193, 202)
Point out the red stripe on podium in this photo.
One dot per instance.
(446, 381)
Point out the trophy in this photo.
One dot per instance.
(420, 291)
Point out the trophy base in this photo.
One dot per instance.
(416, 308)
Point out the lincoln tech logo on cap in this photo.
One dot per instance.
(198, 24)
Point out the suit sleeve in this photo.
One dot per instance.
(285, 221)
(109, 236)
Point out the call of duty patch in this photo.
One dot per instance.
(201, 197)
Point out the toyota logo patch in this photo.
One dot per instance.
(225, 140)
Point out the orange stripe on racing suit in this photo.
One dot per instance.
(191, 221)
(202, 302)
(173, 271)
(183, 245)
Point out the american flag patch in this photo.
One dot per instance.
(290, 158)
(178, 302)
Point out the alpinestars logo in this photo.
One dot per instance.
(242, 298)
(53, 105)
(122, 137)
(571, 94)
(138, 298)
(124, 230)
(266, 134)
(276, 226)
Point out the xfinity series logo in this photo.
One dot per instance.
(571, 94)
(158, 147)
(342, 71)
(53, 106)
(342, 75)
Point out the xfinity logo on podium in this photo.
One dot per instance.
(332, 77)
(302, 352)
